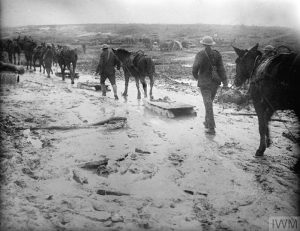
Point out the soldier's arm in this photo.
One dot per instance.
(100, 65)
(196, 66)
(221, 70)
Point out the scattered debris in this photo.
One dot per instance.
(112, 120)
(94, 164)
(106, 192)
(98, 215)
(141, 151)
(189, 192)
(290, 136)
(117, 218)
(78, 178)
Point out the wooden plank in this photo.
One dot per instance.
(178, 109)
(170, 105)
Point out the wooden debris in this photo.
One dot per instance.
(94, 164)
(107, 192)
(78, 178)
(111, 120)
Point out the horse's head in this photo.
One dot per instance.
(245, 64)
(122, 54)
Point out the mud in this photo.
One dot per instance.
(158, 174)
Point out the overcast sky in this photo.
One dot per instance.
(248, 12)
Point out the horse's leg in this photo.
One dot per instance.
(14, 57)
(10, 57)
(73, 72)
(268, 115)
(151, 85)
(126, 83)
(33, 61)
(262, 124)
(143, 81)
(62, 68)
(137, 82)
(19, 54)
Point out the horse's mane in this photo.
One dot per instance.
(123, 51)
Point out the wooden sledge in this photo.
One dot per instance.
(170, 109)
(91, 85)
(67, 74)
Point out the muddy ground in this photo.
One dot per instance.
(167, 173)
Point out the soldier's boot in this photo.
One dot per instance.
(103, 89)
(115, 91)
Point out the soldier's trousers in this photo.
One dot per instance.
(208, 95)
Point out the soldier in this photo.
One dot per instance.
(48, 59)
(209, 70)
(106, 68)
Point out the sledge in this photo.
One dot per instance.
(170, 109)
(91, 85)
(67, 74)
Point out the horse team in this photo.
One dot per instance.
(43, 55)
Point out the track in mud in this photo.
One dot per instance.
(154, 173)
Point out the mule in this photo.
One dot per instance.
(27, 45)
(38, 55)
(14, 51)
(65, 58)
(274, 85)
(139, 66)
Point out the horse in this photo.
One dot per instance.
(27, 45)
(139, 66)
(38, 54)
(13, 49)
(65, 57)
(274, 85)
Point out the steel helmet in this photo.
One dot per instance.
(269, 48)
(105, 46)
(207, 40)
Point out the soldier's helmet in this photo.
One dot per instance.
(268, 48)
(105, 46)
(207, 40)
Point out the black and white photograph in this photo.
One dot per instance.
(168, 115)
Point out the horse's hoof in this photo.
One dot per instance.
(72, 82)
(124, 94)
(259, 153)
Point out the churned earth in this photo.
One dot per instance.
(152, 172)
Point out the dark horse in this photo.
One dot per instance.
(139, 66)
(38, 55)
(65, 57)
(274, 85)
(14, 51)
(27, 45)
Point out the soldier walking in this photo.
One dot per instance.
(106, 68)
(209, 70)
